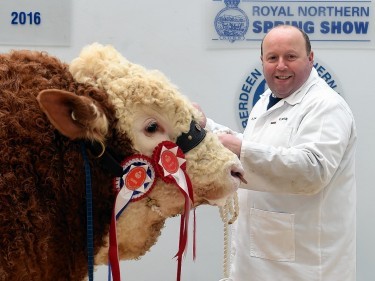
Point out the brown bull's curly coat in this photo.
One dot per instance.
(42, 182)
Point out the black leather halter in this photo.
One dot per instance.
(112, 161)
(187, 141)
(108, 159)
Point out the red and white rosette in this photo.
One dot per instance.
(137, 181)
(170, 165)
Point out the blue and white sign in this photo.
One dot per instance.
(330, 24)
(35, 22)
(254, 84)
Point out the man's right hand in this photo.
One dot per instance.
(231, 142)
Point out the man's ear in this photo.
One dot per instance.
(311, 57)
(76, 117)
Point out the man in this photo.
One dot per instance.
(298, 211)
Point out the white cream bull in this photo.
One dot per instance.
(151, 110)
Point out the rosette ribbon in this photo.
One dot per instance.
(170, 165)
(138, 179)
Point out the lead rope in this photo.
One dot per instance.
(90, 228)
(228, 213)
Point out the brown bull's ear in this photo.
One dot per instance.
(74, 116)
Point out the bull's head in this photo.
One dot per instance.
(148, 110)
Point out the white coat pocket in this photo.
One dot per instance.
(272, 235)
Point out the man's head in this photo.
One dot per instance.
(287, 59)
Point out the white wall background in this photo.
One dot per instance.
(170, 35)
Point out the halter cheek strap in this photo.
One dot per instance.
(108, 159)
(187, 141)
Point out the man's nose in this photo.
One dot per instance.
(281, 65)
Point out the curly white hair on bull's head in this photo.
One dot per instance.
(115, 109)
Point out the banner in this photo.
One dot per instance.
(329, 24)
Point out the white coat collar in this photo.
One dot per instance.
(298, 95)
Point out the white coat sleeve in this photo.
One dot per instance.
(218, 128)
(317, 146)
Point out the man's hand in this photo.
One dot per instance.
(204, 119)
(231, 142)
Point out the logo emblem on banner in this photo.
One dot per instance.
(231, 23)
(254, 86)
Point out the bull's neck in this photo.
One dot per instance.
(139, 227)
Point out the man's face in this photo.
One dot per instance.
(286, 66)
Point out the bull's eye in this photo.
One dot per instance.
(152, 127)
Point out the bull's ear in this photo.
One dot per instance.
(76, 117)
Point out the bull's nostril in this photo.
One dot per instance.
(238, 175)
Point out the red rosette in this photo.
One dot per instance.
(170, 161)
(139, 170)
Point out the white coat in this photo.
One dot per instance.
(297, 217)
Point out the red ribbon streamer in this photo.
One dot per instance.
(113, 249)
